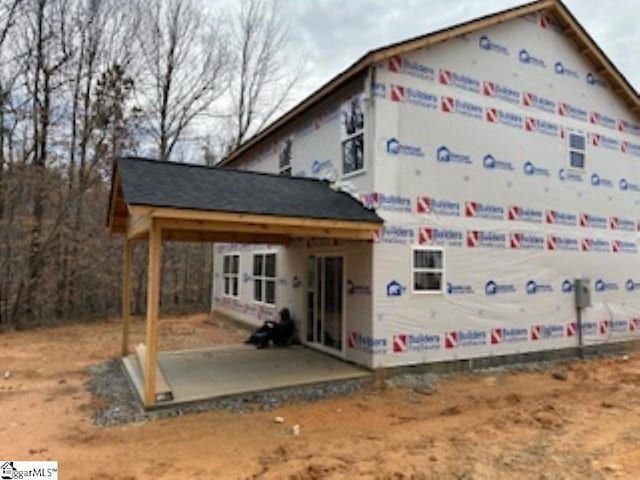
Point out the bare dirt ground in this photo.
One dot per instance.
(491, 426)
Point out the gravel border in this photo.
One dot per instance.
(118, 402)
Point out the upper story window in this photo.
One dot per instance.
(577, 150)
(230, 274)
(264, 278)
(352, 126)
(284, 158)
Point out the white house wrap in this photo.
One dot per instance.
(506, 153)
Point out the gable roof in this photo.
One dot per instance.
(154, 183)
(572, 28)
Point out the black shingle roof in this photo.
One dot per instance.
(196, 187)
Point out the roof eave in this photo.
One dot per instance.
(375, 56)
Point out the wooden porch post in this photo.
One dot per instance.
(126, 295)
(153, 302)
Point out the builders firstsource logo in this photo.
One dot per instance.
(603, 120)
(538, 102)
(502, 92)
(557, 217)
(385, 202)
(440, 236)
(398, 64)
(461, 107)
(568, 110)
(517, 213)
(624, 246)
(621, 223)
(562, 243)
(483, 210)
(413, 96)
(593, 221)
(509, 335)
(542, 126)
(458, 80)
(464, 338)
(544, 332)
(396, 234)
(526, 241)
(366, 343)
(438, 206)
(484, 239)
(496, 115)
(415, 343)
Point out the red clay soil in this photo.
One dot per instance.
(501, 426)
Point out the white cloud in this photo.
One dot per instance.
(332, 34)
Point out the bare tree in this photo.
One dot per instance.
(184, 59)
(261, 79)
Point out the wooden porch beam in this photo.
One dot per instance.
(259, 230)
(226, 217)
(126, 295)
(138, 226)
(225, 237)
(153, 303)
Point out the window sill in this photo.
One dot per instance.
(354, 174)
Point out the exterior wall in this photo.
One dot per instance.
(317, 152)
(511, 92)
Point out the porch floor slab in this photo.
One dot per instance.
(204, 374)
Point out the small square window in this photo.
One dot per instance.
(428, 270)
(230, 274)
(577, 150)
(353, 154)
(576, 160)
(264, 278)
(576, 141)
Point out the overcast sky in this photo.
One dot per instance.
(332, 34)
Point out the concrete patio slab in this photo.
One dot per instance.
(204, 374)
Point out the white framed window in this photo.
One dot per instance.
(352, 126)
(230, 275)
(427, 270)
(577, 143)
(284, 158)
(264, 278)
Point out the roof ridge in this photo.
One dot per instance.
(216, 167)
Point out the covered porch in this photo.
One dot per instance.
(157, 201)
(209, 373)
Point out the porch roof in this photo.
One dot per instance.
(193, 193)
